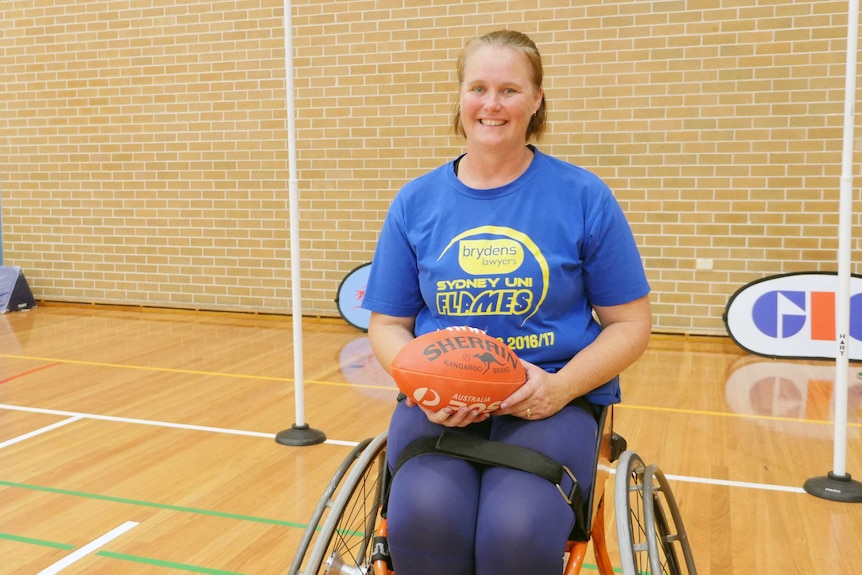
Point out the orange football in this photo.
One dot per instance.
(457, 367)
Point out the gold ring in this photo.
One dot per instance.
(529, 413)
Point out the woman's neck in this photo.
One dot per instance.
(485, 171)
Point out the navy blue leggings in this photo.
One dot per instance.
(445, 516)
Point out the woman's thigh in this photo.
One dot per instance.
(523, 521)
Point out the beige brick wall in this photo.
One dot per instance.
(144, 142)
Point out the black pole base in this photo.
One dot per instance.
(300, 435)
(840, 488)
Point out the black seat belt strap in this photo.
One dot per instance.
(495, 453)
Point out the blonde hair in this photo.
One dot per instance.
(520, 43)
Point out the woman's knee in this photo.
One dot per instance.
(523, 525)
(432, 509)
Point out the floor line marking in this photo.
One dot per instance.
(152, 504)
(625, 406)
(89, 548)
(196, 372)
(393, 388)
(39, 542)
(28, 372)
(157, 423)
(729, 483)
(743, 484)
(40, 431)
(342, 442)
(167, 564)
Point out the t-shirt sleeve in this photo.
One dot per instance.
(613, 270)
(393, 280)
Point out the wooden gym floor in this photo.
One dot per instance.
(142, 441)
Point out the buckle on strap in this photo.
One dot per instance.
(574, 492)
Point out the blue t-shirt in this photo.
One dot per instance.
(524, 262)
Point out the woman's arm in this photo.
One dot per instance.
(624, 337)
(625, 334)
(388, 334)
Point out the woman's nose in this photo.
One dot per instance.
(493, 100)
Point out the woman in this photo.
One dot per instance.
(525, 247)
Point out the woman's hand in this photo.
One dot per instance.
(450, 417)
(541, 395)
(624, 337)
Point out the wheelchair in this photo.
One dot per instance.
(346, 534)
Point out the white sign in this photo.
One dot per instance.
(793, 316)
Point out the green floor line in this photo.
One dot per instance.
(167, 564)
(592, 567)
(160, 563)
(156, 562)
(39, 542)
(119, 556)
(166, 506)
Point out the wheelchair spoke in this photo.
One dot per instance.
(355, 529)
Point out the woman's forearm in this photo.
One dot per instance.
(624, 337)
(388, 334)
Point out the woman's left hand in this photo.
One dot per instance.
(540, 396)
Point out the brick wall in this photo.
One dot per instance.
(144, 161)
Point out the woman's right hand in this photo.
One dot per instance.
(449, 417)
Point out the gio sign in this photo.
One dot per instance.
(793, 316)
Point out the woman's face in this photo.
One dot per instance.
(497, 97)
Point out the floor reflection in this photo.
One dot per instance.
(791, 389)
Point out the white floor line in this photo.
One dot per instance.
(88, 548)
(15, 440)
(75, 416)
(728, 483)
(342, 442)
(745, 484)
(155, 423)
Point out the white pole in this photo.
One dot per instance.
(845, 213)
(838, 485)
(300, 433)
(293, 191)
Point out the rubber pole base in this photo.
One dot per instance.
(300, 435)
(833, 487)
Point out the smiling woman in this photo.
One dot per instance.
(499, 100)
(530, 57)
(524, 247)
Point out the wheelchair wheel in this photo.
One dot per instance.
(667, 542)
(630, 514)
(344, 543)
(323, 504)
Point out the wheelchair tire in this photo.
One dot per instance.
(346, 535)
(669, 550)
(630, 514)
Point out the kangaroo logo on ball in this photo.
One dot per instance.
(487, 358)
